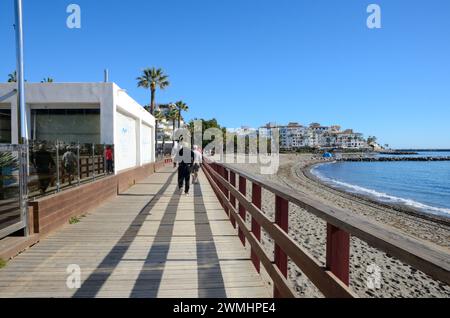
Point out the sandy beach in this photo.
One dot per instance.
(397, 278)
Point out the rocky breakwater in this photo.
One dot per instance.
(387, 159)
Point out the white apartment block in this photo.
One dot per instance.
(295, 136)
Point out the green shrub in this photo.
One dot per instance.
(74, 220)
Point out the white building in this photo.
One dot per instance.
(295, 136)
(350, 140)
(100, 113)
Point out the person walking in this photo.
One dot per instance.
(109, 157)
(175, 149)
(184, 158)
(198, 160)
(45, 165)
(70, 162)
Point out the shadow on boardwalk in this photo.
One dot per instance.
(210, 282)
(207, 259)
(96, 280)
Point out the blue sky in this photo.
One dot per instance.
(248, 62)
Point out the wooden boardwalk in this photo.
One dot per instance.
(147, 242)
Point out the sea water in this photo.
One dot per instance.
(424, 186)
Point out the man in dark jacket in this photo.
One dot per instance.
(185, 160)
(44, 164)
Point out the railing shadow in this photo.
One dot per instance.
(209, 273)
(97, 279)
(149, 280)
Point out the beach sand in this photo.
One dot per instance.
(397, 278)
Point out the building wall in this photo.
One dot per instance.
(147, 145)
(126, 148)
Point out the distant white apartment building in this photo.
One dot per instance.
(296, 136)
(350, 140)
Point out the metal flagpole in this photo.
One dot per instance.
(23, 128)
(22, 115)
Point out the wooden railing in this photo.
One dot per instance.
(333, 278)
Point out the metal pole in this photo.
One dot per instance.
(93, 162)
(106, 75)
(22, 130)
(104, 160)
(78, 164)
(58, 180)
(22, 113)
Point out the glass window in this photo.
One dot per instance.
(68, 125)
(5, 126)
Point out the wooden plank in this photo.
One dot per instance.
(338, 253)
(281, 219)
(256, 228)
(242, 190)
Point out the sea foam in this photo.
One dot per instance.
(379, 196)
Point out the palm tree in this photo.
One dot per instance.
(181, 106)
(371, 140)
(173, 116)
(47, 80)
(12, 77)
(152, 79)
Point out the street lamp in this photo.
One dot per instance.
(21, 110)
(22, 117)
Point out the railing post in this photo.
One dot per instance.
(217, 169)
(104, 159)
(93, 162)
(232, 198)
(282, 220)
(243, 190)
(256, 228)
(58, 181)
(338, 253)
(225, 190)
(79, 164)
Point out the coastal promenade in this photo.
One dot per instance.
(221, 241)
(147, 242)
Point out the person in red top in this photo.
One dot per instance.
(109, 160)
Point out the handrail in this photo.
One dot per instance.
(332, 280)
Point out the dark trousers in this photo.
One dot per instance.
(184, 175)
(109, 166)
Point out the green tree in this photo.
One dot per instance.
(153, 78)
(12, 77)
(47, 80)
(173, 116)
(181, 106)
(371, 140)
(206, 124)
